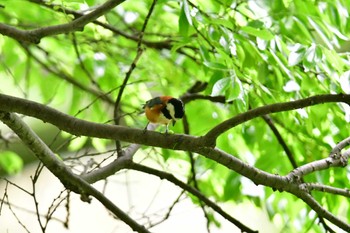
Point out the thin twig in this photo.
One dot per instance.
(170, 209)
(128, 74)
(280, 139)
(192, 94)
(327, 189)
(81, 62)
(14, 214)
(3, 198)
(36, 204)
(67, 77)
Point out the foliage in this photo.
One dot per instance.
(253, 53)
(10, 162)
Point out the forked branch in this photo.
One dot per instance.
(35, 35)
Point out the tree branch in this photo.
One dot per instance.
(322, 213)
(118, 164)
(128, 74)
(80, 127)
(171, 178)
(188, 97)
(166, 44)
(214, 133)
(35, 35)
(319, 165)
(328, 189)
(339, 147)
(58, 168)
(280, 139)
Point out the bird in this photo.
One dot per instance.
(164, 110)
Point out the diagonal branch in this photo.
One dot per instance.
(165, 44)
(35, 35)
(58, 168)
(319, 165)
(322, 213)
(128, 74)
(280, 139)
(171, 178)
(214, 133)
(328, 189)
(339, 147)
(115, 166)
(133, 65)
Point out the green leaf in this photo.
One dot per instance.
(236, 89)
(10, 162)
(216, 76)
(280, 63)
(185, 19)
(221, 86)
(222, 22)
(232, 187)
(296, 55)
(304, 32)
(185, 41)
(215, 65)
(187, 12)
(77, 143)
(321, 30)
(261, 33)
(99, 144)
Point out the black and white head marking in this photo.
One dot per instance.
(174, 110)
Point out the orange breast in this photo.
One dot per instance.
(155, 115)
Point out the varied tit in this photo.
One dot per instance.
(163, 110)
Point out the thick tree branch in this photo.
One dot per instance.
(214, 133)
(80, 127)
(60, 170)
(181, 142)
(35, 35)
